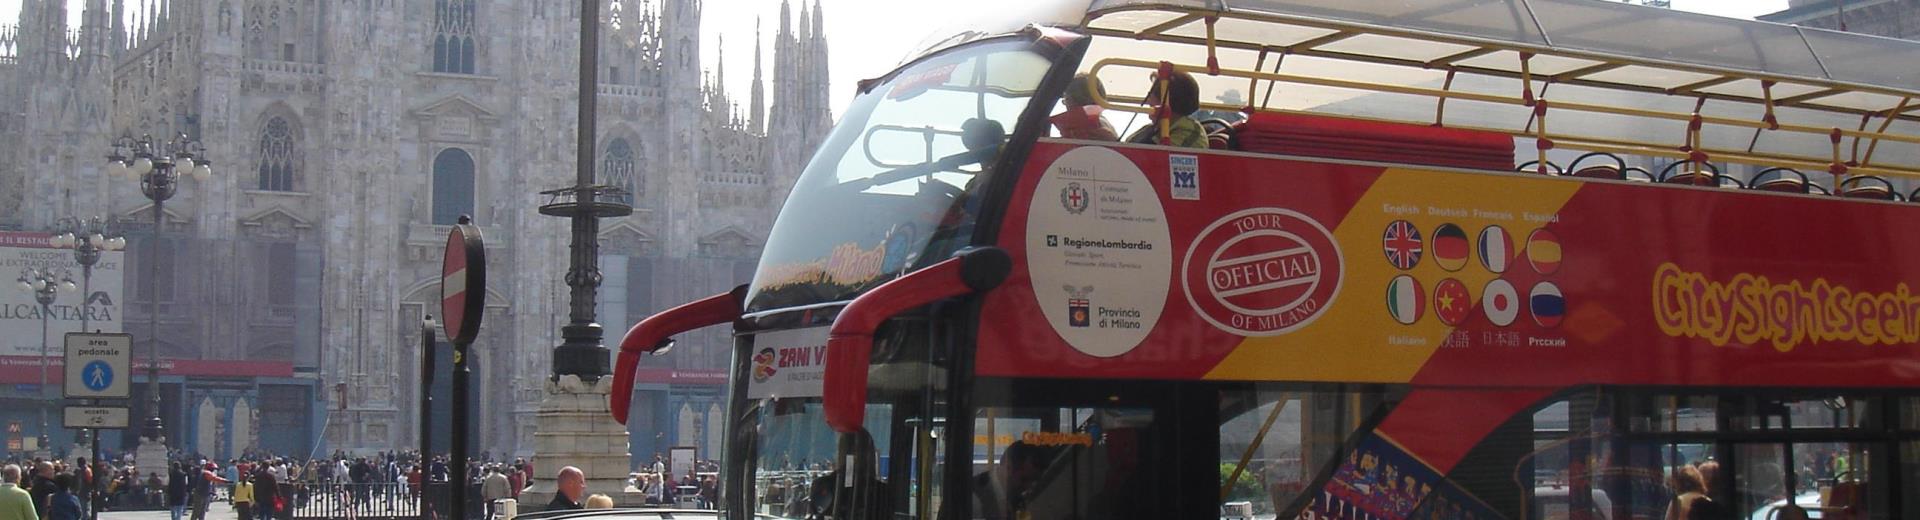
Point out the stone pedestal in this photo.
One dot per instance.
(151, 457)
(576, 430)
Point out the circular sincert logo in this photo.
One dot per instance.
(1262, 272)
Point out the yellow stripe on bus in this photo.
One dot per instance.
(1357, 339)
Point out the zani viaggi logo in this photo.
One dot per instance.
(1079, 307)
(763, 365)
(1075, 198)
(1262, 271)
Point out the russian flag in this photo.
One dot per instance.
(1406, 301)
(1450, 247)
(1496, 249)
(1547, 304)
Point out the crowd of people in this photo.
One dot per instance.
(265, 486)
(701, 487)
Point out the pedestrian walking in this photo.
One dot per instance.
(203, 488)
(15, 503)
(243, 498)
(494, 488)
(266, 492)
(62, 504)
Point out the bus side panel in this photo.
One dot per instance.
(1272, 269)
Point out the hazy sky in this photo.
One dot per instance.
(867, 37)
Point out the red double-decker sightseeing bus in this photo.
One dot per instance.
(1527, 259)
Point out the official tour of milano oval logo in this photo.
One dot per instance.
(1262, 271)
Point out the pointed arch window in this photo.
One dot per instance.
(452, 186)
(278, 156)
(453, 45)
(618, 169)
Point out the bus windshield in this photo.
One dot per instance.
(889, 189)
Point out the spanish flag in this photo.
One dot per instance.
(1543, 251)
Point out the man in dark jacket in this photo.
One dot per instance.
(571, 487)
(266, 492)
(177, 490)
(42, 487)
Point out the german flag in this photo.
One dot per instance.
(1451, 247)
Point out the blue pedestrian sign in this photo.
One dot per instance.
(97, 365)
(97, 375)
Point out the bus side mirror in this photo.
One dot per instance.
(655, 335)
(850, 341)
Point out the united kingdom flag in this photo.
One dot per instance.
(1402, 244)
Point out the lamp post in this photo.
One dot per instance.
(88, 238)
(45, 284)
(158, 166)
(581, 352)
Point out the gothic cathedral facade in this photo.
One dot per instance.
(345, 137)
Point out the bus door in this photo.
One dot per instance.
(1085, 449)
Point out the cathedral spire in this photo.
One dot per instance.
(806, 24)
(757, 106)
(819, 23)
(118, 35)
(95, 42)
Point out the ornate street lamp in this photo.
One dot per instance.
(88, 238)
(45, 284)
(158, 166)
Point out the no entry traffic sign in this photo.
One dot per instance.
(463, 282)
(98, 365)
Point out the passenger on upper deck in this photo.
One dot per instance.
(1181, 100)
(1082, 119)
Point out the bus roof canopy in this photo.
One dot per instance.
(1766, 93)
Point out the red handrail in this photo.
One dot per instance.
(652, 333)
(850, 341)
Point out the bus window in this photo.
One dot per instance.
(798, 466)
(1063, 462)
(1672, 413)
(1759, 457)
(1045, 449)
(890, 189)
(1909, 491)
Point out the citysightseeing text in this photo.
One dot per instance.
(1751, 309)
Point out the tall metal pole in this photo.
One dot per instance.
(458, 446)
(46, 309)
(426, 409)
(581, 352)
(86, 290)
(156, 427)
(94, 498)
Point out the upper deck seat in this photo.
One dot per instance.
(1219, 133)
(1352, 139)
(1868, 187)
(1615, 169)
(1534, 167)
(1784, 180)
(1703, 174)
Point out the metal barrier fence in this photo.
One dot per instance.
(384, 501)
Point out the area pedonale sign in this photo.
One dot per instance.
(20, 314)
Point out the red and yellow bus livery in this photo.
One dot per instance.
(1528, 259)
